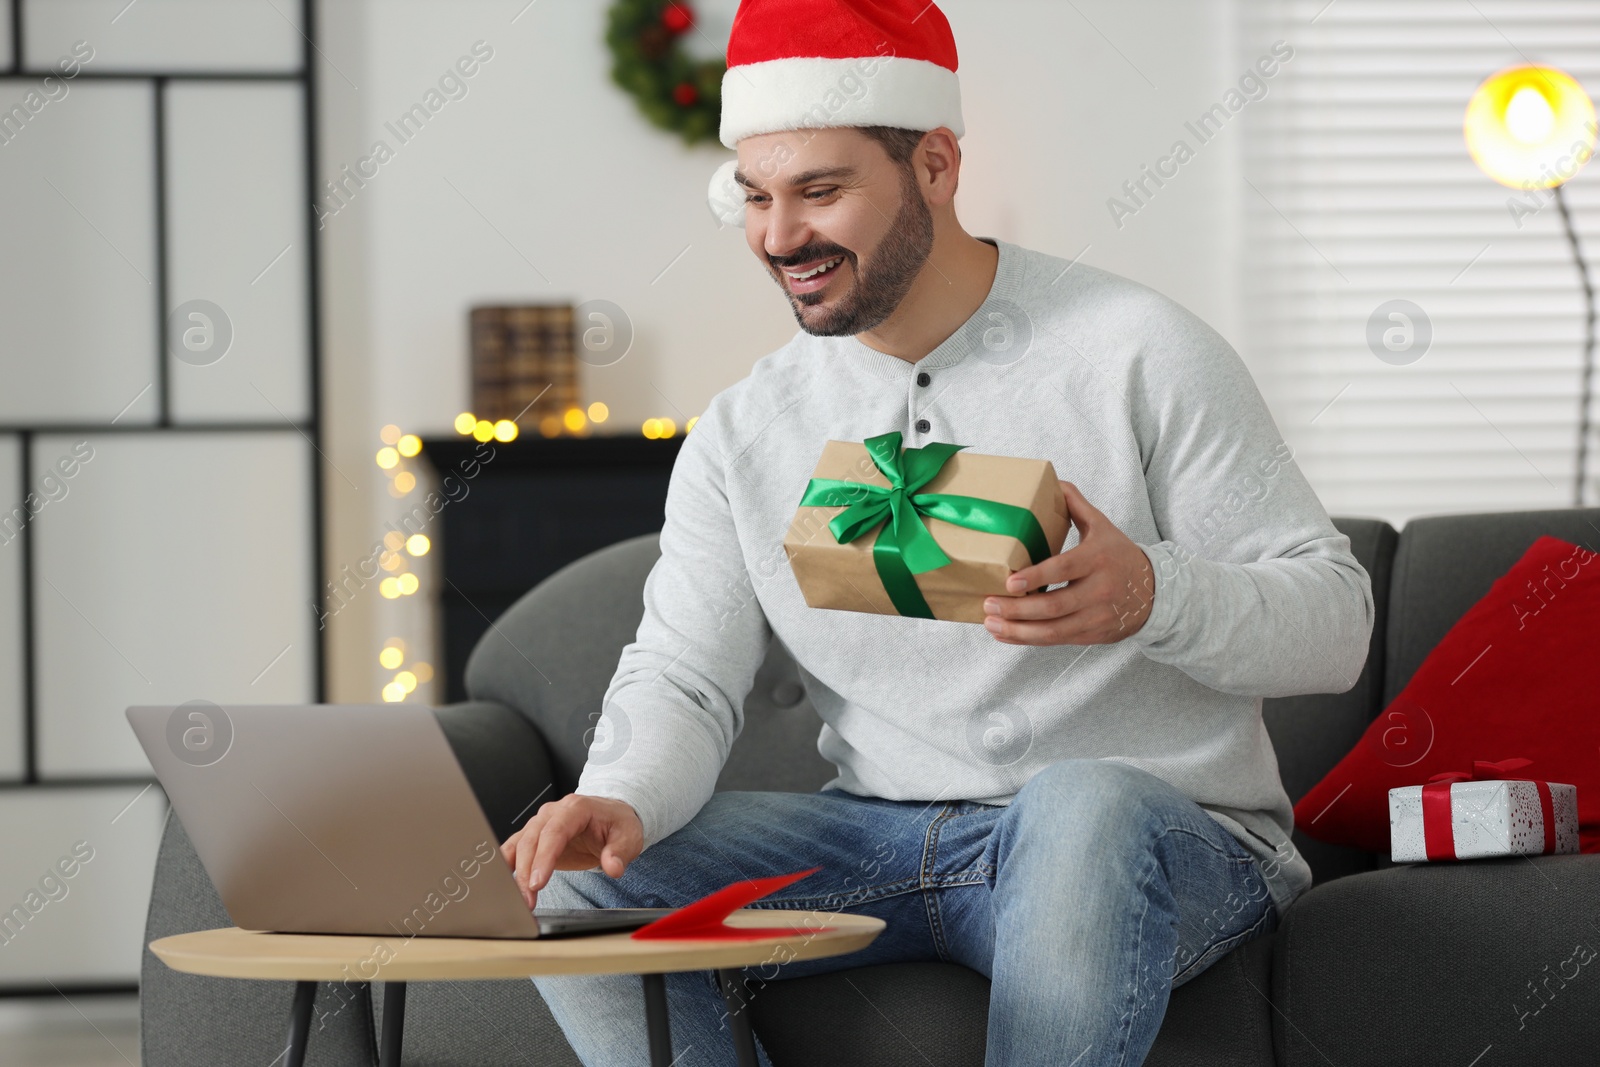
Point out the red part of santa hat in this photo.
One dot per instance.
(804, 64)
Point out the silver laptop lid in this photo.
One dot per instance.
(333, 819)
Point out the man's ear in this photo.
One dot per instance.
(937, 164)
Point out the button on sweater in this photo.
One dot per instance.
(1154, 417)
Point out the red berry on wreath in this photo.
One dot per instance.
(677, 18)
(685, 94)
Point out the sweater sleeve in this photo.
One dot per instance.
(676, 702)
(1257, 592)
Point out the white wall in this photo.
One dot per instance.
(544, 183)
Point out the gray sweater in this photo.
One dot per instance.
(1156, 420)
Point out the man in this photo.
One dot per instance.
(1077, 798)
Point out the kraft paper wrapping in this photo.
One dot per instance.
(845, 578)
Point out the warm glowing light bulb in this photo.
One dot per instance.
(409, 445)
(418, 544)
(598, 412)
(465, 422)
(394, 693)
(668, 427)
(1529, 116)
(550, 426)
(574, 419)
(406, 680)
(390, 561)
(390, 658)
(393, 540)
(651, 428)
(405, 481)
(389, 434)
(1530, 127)
(408, 584)
(483, 431)
(389, 588)
(387, 458)
(690, 424)
(505, 430)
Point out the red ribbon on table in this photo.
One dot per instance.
(1437, 832)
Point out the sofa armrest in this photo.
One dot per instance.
(1434, 963)
(504, 758)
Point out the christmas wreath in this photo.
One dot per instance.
(675, 91)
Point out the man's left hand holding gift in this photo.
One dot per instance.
(1109, 592)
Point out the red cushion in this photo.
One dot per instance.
(1515, 677)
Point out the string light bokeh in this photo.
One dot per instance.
(574, 422)
(402, 675)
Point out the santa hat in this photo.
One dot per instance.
(806, 64)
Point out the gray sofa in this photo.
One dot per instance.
(1377, 964)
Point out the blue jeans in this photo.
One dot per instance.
(1096, 891)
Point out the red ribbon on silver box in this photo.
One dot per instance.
(1436, 812)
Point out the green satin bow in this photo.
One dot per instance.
(909, 548)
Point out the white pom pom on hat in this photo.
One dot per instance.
(726, 196)
(809, 64)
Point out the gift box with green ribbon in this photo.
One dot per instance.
(923, 532)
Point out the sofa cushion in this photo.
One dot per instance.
(889, 1015)
(936, 1015)
(1222, 1017)
(1489, 962)
(1509, 679)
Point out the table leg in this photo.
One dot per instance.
(300, 1024)
(744, 1038)
(394, 1020)
(655, 1015)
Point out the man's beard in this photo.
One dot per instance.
(889, 275)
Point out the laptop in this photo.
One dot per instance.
(344, 819)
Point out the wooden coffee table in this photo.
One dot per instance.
(307, 959)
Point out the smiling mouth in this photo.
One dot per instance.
(820, 268)
(813, 279)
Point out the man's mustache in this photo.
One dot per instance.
(807, 256)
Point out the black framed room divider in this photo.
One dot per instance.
(161, 457)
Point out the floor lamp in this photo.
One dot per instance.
(1532, 127)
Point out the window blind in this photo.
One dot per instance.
(1357, 191)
